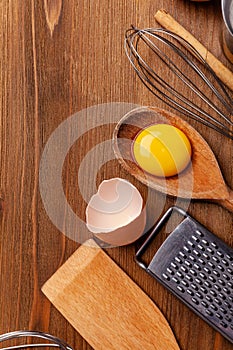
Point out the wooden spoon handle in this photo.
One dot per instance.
(227, 203)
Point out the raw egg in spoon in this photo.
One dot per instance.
(162, 150)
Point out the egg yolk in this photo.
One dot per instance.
(162, 150)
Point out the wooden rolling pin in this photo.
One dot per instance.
(168, 22)
(105, 306)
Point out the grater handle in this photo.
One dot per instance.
(228, 202)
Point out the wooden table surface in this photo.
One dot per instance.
(58, 58)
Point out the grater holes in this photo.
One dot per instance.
(216, 273)
(207, 270)
(195, 238)
(212, 279)
(179, 274)
(187, 249)
(208, 284)
(206, 256)
(210, 250)
(189, 278)
(216, 259)
(224, 311)
(199, 233)
(180, 289)
(229, 257)
(190, 292)
(214, 244)
(199, 295)
(218, 301)
(209, 312)
(220, 281)
(182, 254)
(178, 260)
(219, 316)
(195, 301)
(213, 307)
(192, 258)
(225, 262)
(201, 261)
(198, 267)
(205, 304)
(213, 293)
(226, 277)
(219, 253)
(191, 244)
(208, 298)
(227, 304)
(222, 296)
(198, 281)
(228, 318)
(175, 279)
(197, 253)
(204, 290)
(188, 263)
(174, 265)
(226, 290)
(185, 283)
(202, 275)
(217, 287)
(223, 324)
(170, 271)
(193, 272)
(194, 286)
(166, 277)
(211, 264)
(200, 247)
(205, 242)
(184, 269)
(221, 268)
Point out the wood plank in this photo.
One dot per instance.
(43, 80)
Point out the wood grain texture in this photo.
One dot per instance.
(119, 316)
(52, 11)
(43, 80)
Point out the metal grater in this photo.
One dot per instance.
(197, 267)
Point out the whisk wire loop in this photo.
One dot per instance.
(54, 342)
(169, 94)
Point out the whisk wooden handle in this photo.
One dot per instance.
(227, 203)
(168, 22)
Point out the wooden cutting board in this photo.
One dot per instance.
(105, 306)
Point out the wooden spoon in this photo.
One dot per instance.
(201, 180)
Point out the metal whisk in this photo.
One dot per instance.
(149, 49)
(52, 342)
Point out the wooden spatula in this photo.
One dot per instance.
(105, 306)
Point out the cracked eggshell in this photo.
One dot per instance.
(115, 214)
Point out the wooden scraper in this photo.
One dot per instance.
(105, 306)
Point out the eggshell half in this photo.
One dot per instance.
(115, 214)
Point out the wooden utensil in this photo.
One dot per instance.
(201, 180)
(105, 306)
(168, 22)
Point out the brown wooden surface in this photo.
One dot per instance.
(58, 57)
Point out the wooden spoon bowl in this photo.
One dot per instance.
(202, 179)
